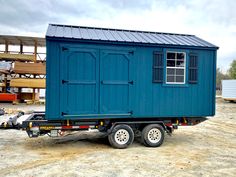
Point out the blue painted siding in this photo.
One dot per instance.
(52, 81)
(115, 97)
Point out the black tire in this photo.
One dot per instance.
(147, 135)
(121, 136)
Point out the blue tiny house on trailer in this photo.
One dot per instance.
(96, 72)
(118, 81)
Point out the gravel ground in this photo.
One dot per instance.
(208, 149)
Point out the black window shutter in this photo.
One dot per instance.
(158, 64)
(193, 68)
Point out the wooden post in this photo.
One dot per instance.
(6, 46)
(33, 96)
(21, 48)
(35, 60)
(20, 89)
(35, 50)
(5, 81)
(5, 75)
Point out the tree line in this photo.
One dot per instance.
(230, 74)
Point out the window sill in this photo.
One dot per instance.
(175, 85)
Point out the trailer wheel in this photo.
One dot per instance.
(121, 136)
(153, 135)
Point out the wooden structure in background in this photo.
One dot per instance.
(4, 72)
(29, 69)
(16, 57)
(28, 96)
(28, 83)
(2, 85)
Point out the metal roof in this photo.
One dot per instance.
(127, 36)
(24, 40)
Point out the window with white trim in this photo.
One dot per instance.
(175, 67)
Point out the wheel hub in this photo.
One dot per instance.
(154, 135)
(122, 136)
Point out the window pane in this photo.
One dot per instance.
(175, 70)
(180, 56)
(170, 62)
(179, 71)
(179, 78)
(170, 55)
(170, 78)
(180, 64)
(170, 71)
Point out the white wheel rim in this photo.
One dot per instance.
(122, 136)
(154, 135)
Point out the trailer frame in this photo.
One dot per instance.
(37, 125)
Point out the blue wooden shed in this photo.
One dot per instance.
(114, 73)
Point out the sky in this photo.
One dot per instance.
(212, 20)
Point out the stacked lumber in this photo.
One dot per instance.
(28, 83)
(2, 85)
(2, 71)
(29, 68)
(15, 57)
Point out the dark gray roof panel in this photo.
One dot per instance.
(129, 36)
(93, 34)
(59, 32)
(100, 35)
(125, 37)
(75, 33)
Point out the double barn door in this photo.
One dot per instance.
(95, 82)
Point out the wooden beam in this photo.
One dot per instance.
(28, 83)
(16, 57)
(2, 85)
(3, 71)
(29, 68)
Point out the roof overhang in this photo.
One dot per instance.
(109, 35)
(22, 40)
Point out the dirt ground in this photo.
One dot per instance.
(208, 149)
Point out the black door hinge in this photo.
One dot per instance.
(131, 82)
(64, 81)
(64, 49)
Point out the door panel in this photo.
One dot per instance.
(80, 82)
(115, 83)
(95, 83)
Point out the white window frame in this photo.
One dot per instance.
(175, 67)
